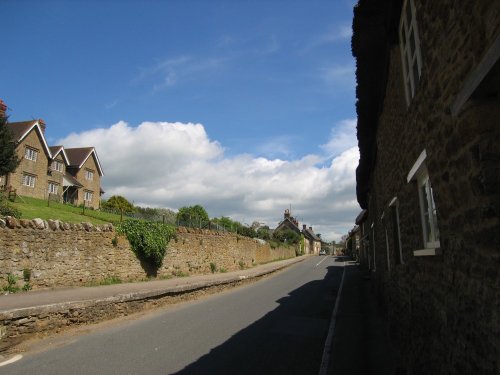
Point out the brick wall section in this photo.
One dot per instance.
(443, 310)
(61, 254)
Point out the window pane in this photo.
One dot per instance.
(425, 211)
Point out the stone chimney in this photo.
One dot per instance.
(304, 227)
(311, 229)
(3, 108)
(42, 125)
(287, 214)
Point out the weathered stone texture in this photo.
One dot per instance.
(78, 254)
(443, 310)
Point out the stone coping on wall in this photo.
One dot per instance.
(11, 222)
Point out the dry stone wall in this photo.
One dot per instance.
(60, 254)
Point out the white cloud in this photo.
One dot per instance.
(175, 164)
(172, 71)
(342, 137)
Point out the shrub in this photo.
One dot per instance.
(148, 239)
(6, 209)
(11, 284)
(213, 267)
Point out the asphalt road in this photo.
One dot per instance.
(277, 325)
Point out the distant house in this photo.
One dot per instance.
(428, 107)
(70, 175)
(312, 243)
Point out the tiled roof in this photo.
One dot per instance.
(21, 129)
(78, 156)
(55, 150)
(69, 180)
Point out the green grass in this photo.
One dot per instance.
(32, 208)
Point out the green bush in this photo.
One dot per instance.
(6, 209)
(148, 239)
(11, 284)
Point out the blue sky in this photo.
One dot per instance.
(269, 82)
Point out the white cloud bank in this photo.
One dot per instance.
(163, 164)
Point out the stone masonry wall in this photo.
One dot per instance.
(443, 309)
(61, 254)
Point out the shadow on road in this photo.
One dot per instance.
(288, 340)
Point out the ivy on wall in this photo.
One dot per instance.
(148, 239)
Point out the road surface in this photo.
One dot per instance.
(277, 325)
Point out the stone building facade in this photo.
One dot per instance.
(428, 84)
(72, 175)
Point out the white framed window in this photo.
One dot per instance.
(398, 248)
(374, 268)
(29, 180)
(386, 236)
(410, 49)
(30, 154)
(87, 196)
(53, 187)
(428, 211)
(89, 175)
(57, 166)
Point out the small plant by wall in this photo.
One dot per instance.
(148, 239)
(213, 267)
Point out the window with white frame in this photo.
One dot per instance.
(30, 154)
(372, 239)
(410, 49)
(29, 180)
(57, 166)
(53, 187)
(386, 237)
(428, 211)
(396, 232)
(89, 175)
(87, 196)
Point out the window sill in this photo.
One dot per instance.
(427, 252)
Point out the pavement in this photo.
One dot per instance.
(357, 342)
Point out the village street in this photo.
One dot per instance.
(277, 325)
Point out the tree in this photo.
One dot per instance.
(192, 215)
(8, 156)
(287, 236)
(117, 202)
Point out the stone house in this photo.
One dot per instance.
(312, 243)
(70, 175)
(428, 83)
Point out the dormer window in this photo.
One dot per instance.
(410, 50)
(30, 154)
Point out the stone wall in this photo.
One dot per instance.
(61, 254)
(443, 309)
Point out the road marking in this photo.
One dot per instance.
(12, 360)
(321, 261)
(327, 351)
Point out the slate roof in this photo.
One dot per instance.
(21, 129)
(55, 150)
(78, 156)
